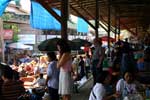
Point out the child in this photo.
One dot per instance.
(40, 81)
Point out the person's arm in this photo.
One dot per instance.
(36, 82)
(47, 78)
(49, 73)
(65, 57)
(119, 87)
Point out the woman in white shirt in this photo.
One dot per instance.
(99, 92)
(126, 86)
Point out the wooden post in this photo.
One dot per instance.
(109, 26)
(119, 28)
(2, 41)
(115, 27)
(64, 18)
(97, 18)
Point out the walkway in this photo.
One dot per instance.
(84, 91)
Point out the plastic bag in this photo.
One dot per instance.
(133, 97)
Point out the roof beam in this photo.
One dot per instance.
(91, 15)
(129, 2)
(82, 16)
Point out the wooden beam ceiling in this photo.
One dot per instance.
(136, 10)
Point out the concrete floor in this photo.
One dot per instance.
(84, 91)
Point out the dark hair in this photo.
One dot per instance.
(98, 40)
(81, 57)
(7, 72)
(102, 76)
(132, 74)
(2, 66)
(16, 75)
(52, 56)
(64, 46)
(41, 75)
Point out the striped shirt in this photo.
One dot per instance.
(11, 90)
(1, 82)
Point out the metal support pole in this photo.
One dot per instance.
(97, 19)
(64, 18)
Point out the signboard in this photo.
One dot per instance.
(27, 38)
(7, 34)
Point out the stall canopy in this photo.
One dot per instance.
(18, 45)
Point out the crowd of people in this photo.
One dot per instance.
(56, 75)
(127, 72)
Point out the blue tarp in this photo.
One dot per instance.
(82, 26)
(40, 18)
(3, 5)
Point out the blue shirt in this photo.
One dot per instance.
(53, 74)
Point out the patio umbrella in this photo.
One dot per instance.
(50, 45)
(37, 54)
(105, 38)
(18, 45)
(81, 42)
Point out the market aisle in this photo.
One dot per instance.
(84, 91)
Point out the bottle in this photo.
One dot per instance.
(147, 93)
(125, 92)
(126, 98)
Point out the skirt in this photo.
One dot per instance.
(65, 82)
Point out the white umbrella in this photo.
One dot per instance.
(18, 45)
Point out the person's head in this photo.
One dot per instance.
(63, 46)
(97, 41)
(81, 58)
(87, 55)
(7, 73)
(126, 39)
(16, 75)
(41, 75)
(104, 77)
(51, 56)
(1, 69)
(128, 76)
